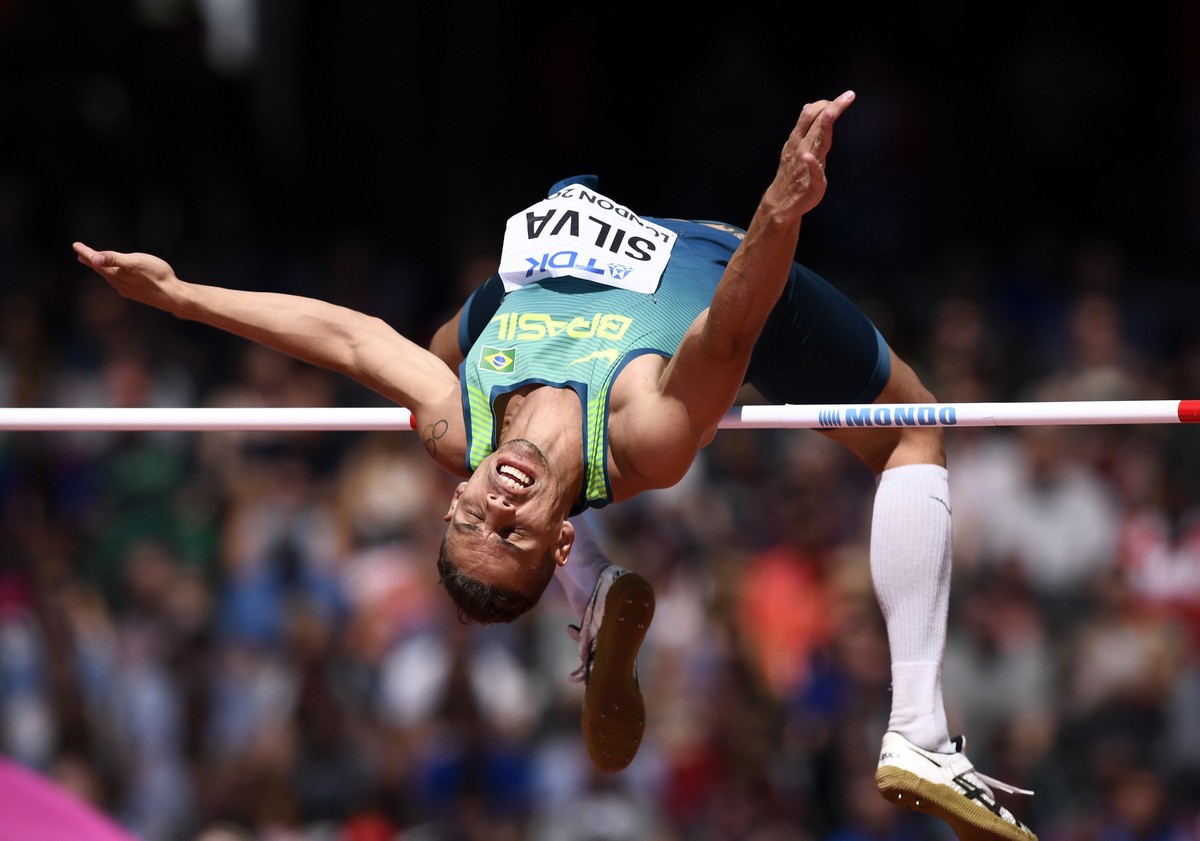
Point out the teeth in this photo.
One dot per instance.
(509, 472)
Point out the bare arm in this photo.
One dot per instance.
(359, 346)
(706, 373)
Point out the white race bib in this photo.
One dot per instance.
(577, 232)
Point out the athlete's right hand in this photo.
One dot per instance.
(139, 277)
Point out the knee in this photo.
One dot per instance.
(919, 445)
(917, 392)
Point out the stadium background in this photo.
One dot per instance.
(206, 634)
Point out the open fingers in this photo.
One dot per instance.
(837, 106)
(821, 135)
(91, 257)
(821, 111)
(108, 261)
(83, 253)
(815, 126)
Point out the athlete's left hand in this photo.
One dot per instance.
(800, 181)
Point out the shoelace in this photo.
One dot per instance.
(994, 783)
(960, 743)
(586, 652)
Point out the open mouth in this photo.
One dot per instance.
(514, 478)
(518, 466)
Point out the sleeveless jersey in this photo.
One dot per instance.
(578, 333)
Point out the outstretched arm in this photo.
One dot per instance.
(707, 371)
(359, 346)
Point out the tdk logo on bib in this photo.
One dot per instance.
(580, 233)
(572, 263)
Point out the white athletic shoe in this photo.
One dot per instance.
(611, 633)
(947, 786)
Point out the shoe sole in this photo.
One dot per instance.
(614, 715)
(970, 821)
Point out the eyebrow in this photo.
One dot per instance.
(504, 541)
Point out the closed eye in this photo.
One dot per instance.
(505, 534)
(474, 528)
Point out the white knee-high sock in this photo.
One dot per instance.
(587, 562)
(910, 568)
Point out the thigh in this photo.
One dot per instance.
(894, 446)
(818, 347)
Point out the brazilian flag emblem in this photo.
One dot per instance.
(500, 360)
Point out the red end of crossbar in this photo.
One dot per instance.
(1189, 411)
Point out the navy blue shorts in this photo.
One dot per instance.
(818, 347)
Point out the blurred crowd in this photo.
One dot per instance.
(239, 636)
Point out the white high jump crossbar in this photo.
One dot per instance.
(846, 416)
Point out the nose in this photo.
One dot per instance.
(501, 514)
(499, 502)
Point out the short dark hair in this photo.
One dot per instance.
(478, 602)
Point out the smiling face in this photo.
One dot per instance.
(508, 524)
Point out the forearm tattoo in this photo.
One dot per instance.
(431, 433)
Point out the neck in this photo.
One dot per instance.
(551, 418)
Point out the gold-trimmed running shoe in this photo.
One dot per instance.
(611, 632)
(947, 786)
